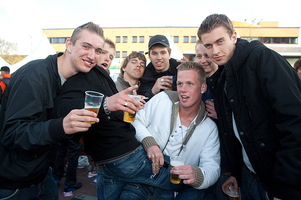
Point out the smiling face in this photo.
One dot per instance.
(106, 57)
(85, 51)
(219, 45)
(159, 56)
(203, 59)
(190, 89)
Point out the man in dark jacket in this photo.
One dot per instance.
(258, 101)
(27, 129)
(160, 73)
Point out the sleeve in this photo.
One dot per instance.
(26, 123)
(283, 90)
(209, 163)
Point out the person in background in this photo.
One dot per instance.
(107, 55)
(258, 101)
(176, 123)
(4, 81)
(158, 73)
(28, 130)
(131, 71)
(297, 67)
(211, 68)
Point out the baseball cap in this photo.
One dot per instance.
(5, 68)
(158, 39)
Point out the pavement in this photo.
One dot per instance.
(86, 192)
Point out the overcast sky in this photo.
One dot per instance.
(21, 21)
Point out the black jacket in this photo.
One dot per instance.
(27, 132)
(150, 77)
(264, 93)
(111, 137)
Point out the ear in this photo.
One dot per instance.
(203, 88)
(68, 45)
(234, 37)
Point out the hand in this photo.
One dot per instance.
(155, 155)
(184, 59)
(162, 83)
(275, 198)
(122, 101)
(210, 109)
(76, 121)
(186, 173)
(230, 182)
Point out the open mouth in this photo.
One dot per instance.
(104, 64)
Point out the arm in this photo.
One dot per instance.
(283, 89)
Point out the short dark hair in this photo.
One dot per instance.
(110, 43)
(297, 64)
(213, 21)
(90, 26)
(134, 54)
(190, 65)
(5, 68)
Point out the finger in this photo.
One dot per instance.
(130, 90)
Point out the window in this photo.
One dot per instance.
(117, 39)
(176, 39)
(134, 39)
(141, 39)
(57, 40)
(117, 54)
(186, 39)
(193, 39)
(124, 54)
(125, 39)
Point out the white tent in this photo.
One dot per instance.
(3, 62)
(42, 50)
(175, 52)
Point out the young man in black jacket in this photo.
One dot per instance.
(257, 100)
(27, 129)
(158, 73)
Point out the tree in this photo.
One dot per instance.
(6, 51)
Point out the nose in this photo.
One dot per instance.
(91, 54)
(215, 49)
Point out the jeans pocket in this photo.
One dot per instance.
(7, 194)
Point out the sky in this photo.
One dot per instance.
(22, 21)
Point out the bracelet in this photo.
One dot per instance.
(105, 107)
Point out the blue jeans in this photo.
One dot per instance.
(47, 189)
(251, 188)
(134, 168)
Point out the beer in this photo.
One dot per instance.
(128, 117)
(174, 178)
(170, 87)
(93, 110)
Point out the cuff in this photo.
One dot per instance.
(199, 177)
(148, 142)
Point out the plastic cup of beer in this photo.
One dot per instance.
(174, 162)
(231, 193)
(171, 78)
(92, 102)
(128, 117)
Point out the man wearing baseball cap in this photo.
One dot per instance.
(159, 73)
(5, 77)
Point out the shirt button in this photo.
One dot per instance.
(262, 145)
(241, 133)
(109, 117)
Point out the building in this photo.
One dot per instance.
(284, 40)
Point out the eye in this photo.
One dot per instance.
(179, 84)
(208, 46)
(220, 42)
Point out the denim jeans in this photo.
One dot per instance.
(47, 189)
(251, 188)
(134, 168)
